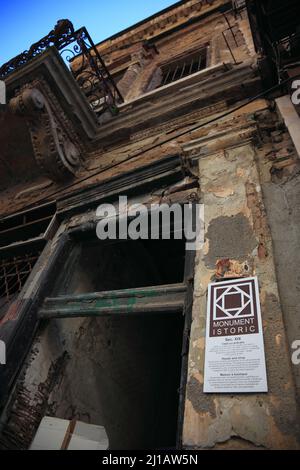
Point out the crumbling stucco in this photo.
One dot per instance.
(261, 420)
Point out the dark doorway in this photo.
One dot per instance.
(123, 371)
(94, 266)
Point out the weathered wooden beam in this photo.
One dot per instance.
(151, 175)
(154, 299)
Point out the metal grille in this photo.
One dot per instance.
(13, 274)
(182, 68)
(94, 89)
(288, 49)
(26, 225)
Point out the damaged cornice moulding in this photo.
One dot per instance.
(220, 141)
(175, 100)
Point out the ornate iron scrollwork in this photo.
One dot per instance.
(58, 37)
(90, 72)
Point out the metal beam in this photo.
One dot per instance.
(146, 300)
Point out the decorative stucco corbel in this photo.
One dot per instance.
(56, 148)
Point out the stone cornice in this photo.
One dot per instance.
(162, 22)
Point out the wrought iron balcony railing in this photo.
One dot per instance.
(90, 72)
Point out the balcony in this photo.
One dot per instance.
(90, 71)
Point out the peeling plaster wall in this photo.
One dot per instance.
(279, 166)
(238, 243)
(282, 203)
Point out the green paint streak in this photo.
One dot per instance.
(129, 302)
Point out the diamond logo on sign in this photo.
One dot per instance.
(233, 307)
(235, 301)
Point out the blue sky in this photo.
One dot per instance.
(23, 22)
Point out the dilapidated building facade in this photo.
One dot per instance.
(188, 105)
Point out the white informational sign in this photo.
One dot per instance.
(234, 349)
